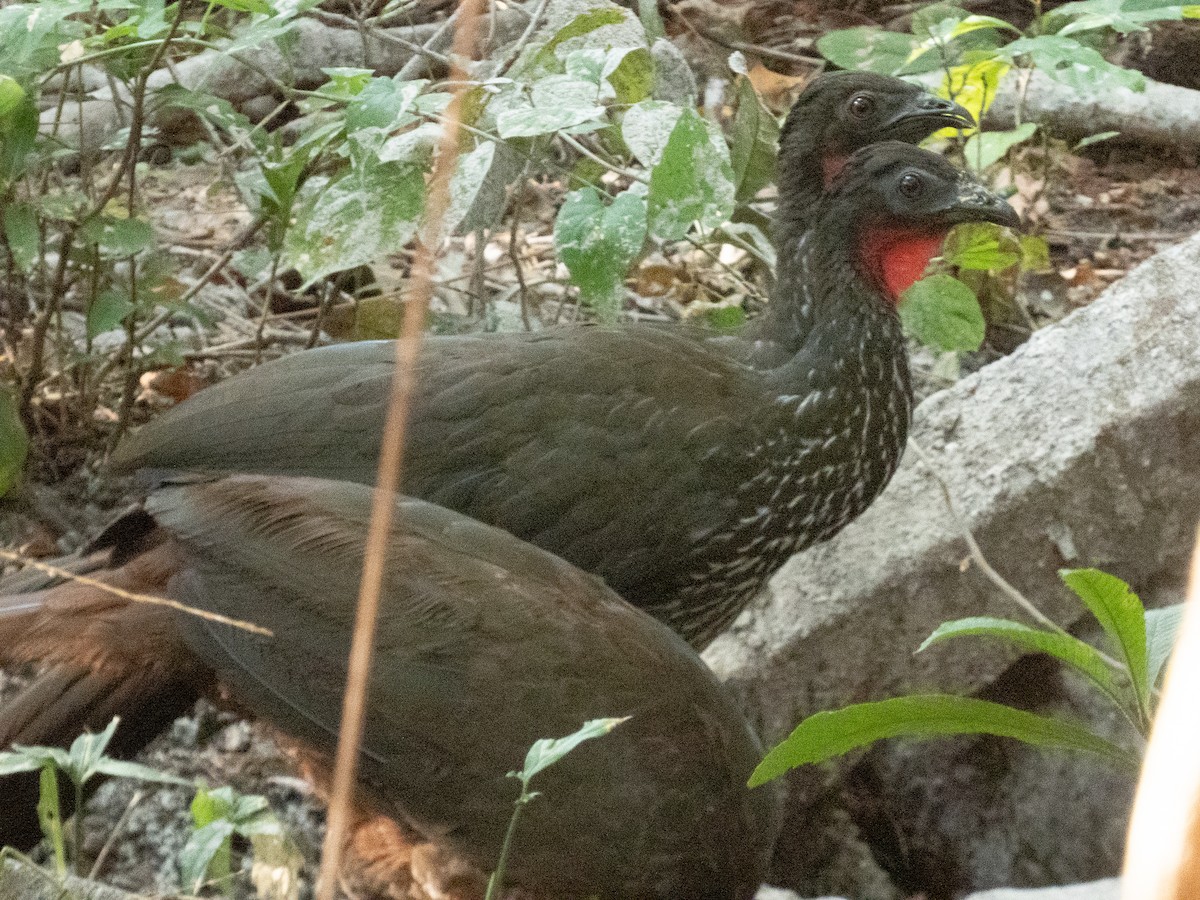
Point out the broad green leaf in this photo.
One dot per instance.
(1079, 655)
(830, 734)
(942, 312)
(980, 247)
(547, 751)
(631, 74)
(357, 219)
(107, 311)
(87, 749)
(975, 23)
(1162, 627)
(870, 49)
(557, 102)
(987, 147)
(11, 96)
(1122, 16)
(1066, 60)
(647, 127)
(12, 763)
(14, 445)
(119, 768)
(1191, 11)
(1035, 253)
(540, 60)
(755, 135)
(693, 182)
(597, 243)
(118, 237)
(21, 233)
(205, 845)
(1122, 616)
(973, 85)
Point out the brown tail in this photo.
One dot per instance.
(99, 655)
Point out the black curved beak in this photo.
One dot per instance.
(975, 203)
(924, 115)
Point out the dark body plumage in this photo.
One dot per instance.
(680, 467)
(485, 642)
(485, 645)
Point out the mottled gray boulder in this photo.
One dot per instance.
(1080, 449)
(1109, 889)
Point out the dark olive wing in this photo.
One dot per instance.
(548, 436)
(485, 644)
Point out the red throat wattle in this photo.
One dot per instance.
(896, 258)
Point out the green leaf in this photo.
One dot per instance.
(830, 734)
(980, 247)
(118, 237)
(577, 27)
(86, 751)
(1191, 11)
(1035, 253)
(11, 96)
(987, 147)
(557, 102)
(870, 49)
(1123, 16)
(546, 752)
(21, 233)
(205, 853)
(107, 312)
(693, 182)
(12, 763)
(942, 312)
(597, 243)
(631, 74)
(370, 212)
(1122, 616)
(1079, 655)
(118, 768)
(1070, 62)
(647, 128)
(14, 443)
(755, 135)
(1162, 628)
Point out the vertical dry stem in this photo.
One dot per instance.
(390, 460)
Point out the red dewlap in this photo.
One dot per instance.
(897, 258)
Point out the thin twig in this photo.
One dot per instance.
(985, 567)
(976, 553)
(148, 599)
(519, 46)
(111, 841)
(383, 505)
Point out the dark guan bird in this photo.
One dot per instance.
(485, 645)
(781, 456)
(680, 467)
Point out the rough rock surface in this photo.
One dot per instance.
(1080, 449)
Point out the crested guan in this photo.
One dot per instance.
(485, 645)
(106, 657)
(681, 467)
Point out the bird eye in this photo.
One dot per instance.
(861, 105)
(911, 186)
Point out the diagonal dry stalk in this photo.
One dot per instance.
(149, 599)
(383, 505)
